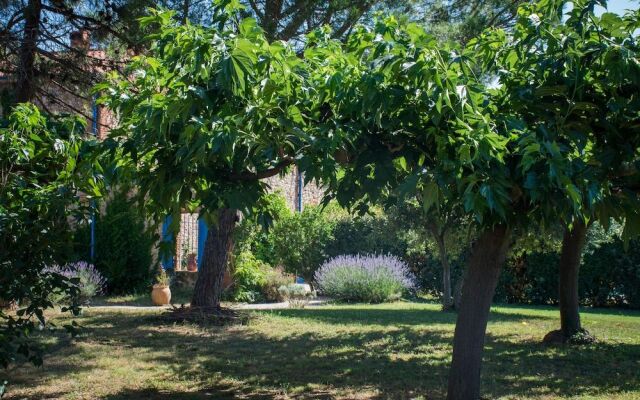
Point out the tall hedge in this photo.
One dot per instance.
(124, 244)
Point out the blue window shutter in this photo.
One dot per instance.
(203, 231)
(167, 236)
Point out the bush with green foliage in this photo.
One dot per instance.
(255, 235)
(609, 274)
(370, 279)
(369, 234)
(44, 163)
(275, 278)
(123, 245)
(300, 240)
(249, 276)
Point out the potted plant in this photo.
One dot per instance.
(161, 293)
(192, 265)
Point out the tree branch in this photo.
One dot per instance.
(252, 176)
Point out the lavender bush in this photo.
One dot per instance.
(90, 282)
(366, 278)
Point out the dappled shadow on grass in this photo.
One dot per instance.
(403, 358)
(375, 316)
(216, 392)
(612, 311)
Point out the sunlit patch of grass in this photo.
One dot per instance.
(142, 299)
(390, 351)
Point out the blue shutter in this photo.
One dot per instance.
(167, 236)
(203, 231)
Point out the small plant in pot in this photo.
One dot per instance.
(192, 263)
(161, 293)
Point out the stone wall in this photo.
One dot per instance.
(288, 186)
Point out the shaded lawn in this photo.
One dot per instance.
(178, 296)
(394, 351)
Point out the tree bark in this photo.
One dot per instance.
(483, 269)
(25, 85)
(217, 247)
(572, 245)
(447, 300)
(185, 11)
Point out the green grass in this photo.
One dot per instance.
(178, 296)
(393, 351)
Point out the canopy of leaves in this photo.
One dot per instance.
(497, 135)
(573, 81)
(207, 114)
(42, 167)
(409, 113)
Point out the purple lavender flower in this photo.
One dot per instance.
(92, 283)
(369, 278)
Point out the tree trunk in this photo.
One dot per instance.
(185, 11)
(483, 269)
(572, 246)
(217, 248)
(447, 300)
(25, 85)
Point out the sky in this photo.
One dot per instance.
(619, 6)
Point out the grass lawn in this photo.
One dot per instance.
(178, 296)
(394, 351)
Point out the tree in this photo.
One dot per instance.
(583, 98)
(43, 163)
(462, 20)
(291, 20)
(44, 63)
(395, 100)
(203, 118)
(440, 226)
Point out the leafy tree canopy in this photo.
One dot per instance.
(208, 113)
(513, 135)
(574, 83)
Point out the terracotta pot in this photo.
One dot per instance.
(160, 295)
(192, 265)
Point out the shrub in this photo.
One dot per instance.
(275, 278)
(429, 275)
(123, 246)
(296, 294)
(370, 234)
(299, 241)
(87, 278)
(370, 278)
(254, 233)
(295, 291)
(609, 274)
(249, 275)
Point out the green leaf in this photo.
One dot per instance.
(430, 196)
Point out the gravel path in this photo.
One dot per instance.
(259, 306)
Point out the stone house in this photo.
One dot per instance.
(58, 98)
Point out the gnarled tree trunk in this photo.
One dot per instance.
(573, 243)
(25, 84)
(217, 248)
(483, 269)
